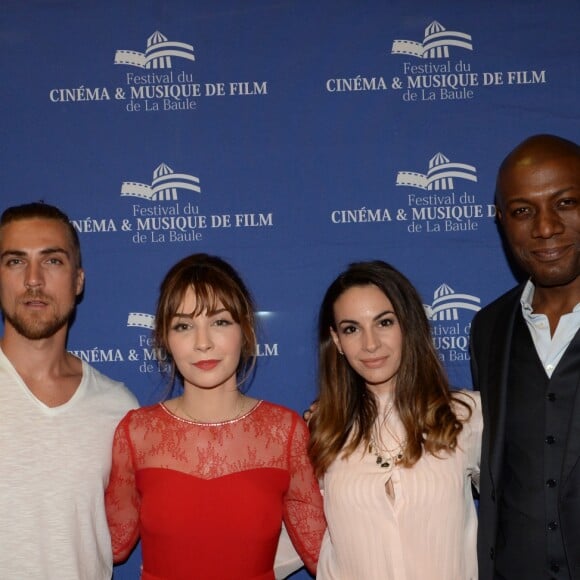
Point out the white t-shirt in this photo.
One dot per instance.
(54, 467)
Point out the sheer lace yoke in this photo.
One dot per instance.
(256, 440)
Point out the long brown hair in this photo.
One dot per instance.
(212, 280)
(347, 410)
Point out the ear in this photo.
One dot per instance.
(336, 340)
(499, 214)
(80, 281)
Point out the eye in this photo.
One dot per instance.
(567, 202)
(12, 262)
(222, 322)
(180, 326)
(54, 261)
(349, 329)
(520, 212)
(386, 322)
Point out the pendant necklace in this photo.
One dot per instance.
(387, 458)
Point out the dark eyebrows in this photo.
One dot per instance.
(190, 314)
(43, 252)
(15, 253)
(378, 316)
(49, 251)
(375, 318)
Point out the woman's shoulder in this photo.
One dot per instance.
(471, 415)
(142, 415)
(280, 413)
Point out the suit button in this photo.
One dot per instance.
(493, 495)
(551, 397)
(492, 553)
(552, 526)
(554, 567)
(550, 440)
(551, 483)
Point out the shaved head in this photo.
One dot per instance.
(533, 151)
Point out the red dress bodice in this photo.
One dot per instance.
(208, 500)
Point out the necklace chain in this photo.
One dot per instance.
(386, 458)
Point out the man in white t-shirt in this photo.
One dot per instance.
(58, 414)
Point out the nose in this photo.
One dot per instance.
(33, 277)
(370, 341)
(547, 224)
(203, 341)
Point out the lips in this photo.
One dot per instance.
(550, 254)
(206, 365)
(34, 298)
(373, 363)
(34, 303)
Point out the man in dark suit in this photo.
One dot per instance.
(526, 363)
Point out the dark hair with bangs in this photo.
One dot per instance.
(347, 410)
(212, 280)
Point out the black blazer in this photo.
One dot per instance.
(491, 335)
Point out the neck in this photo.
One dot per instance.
(37, 358)
(51, 373)
(384, 394)
(211, 405)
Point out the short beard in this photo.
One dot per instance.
(38, 329)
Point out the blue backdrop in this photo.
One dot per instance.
(291, 138)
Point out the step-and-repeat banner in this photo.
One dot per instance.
(290, 138)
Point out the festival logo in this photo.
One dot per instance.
(158, 54)
(167, 210)
(437, 207)
(440, 75)
(164, 185)
(160, 215)
(149, 359)
(436, 43)
(440, 174)
(448, 327)
(163, 81)
(434, 69)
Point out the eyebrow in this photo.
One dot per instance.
(551, 195)
(377, 317)
(43, 252)
(190, 314)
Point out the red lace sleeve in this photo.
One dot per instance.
(303, 509)
(122, 498)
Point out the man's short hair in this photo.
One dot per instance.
(40, 210)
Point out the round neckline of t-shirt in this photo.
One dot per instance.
(216, 424)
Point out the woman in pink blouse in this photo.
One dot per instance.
(207, 478)
(396, 450)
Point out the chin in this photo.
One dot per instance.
(553, 280)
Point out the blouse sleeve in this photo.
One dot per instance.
(303, 509)
(122, 499)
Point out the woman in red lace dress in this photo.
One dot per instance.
(206, 479)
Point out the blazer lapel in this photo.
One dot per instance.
(572, 452)
(500, 348)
